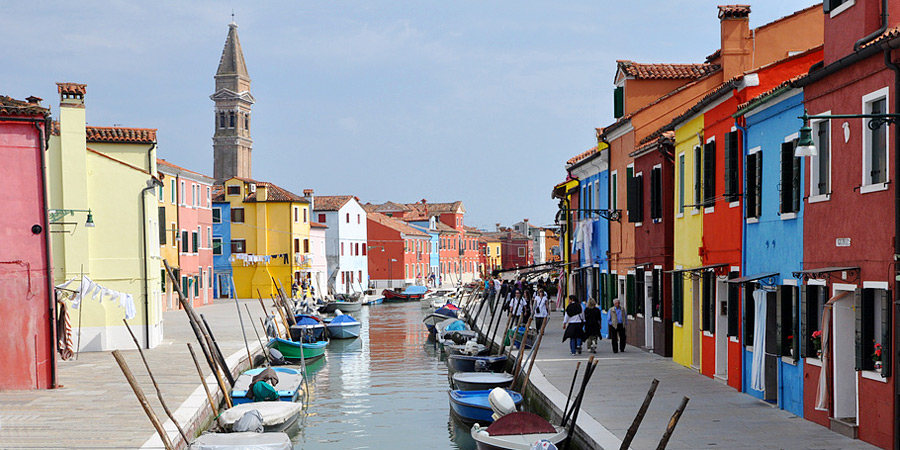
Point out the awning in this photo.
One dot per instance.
(648, 263)
(758, 276)
(698, 269)
(826, 272)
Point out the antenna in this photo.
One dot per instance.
(232, 15)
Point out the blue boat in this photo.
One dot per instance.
(307, 329)
(377, 301)
(288, 387)
(473, 406)
(465, 363)
(343, 327)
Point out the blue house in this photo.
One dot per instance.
(773, 248)
(221, 218)
(429, 226)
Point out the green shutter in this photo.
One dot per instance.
(709, 174)
(194, 241)
(162, 225)
(629, 293)
(162, 274)
(698, 177)
(733, 306)
(640, 282)
(886, 327)
(619, 102)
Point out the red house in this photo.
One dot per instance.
(404, 259)
(851, 223)
(27, 303)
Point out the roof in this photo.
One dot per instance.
(12, 107)
(275, 194)
(581, 156)
(471, 230)
(331, 202)
(122, 135)
(444, 228)
(218, 193)
(390, 207)
(162, 164)
(424, 211)
(395, 224)
(317, 225)
(71, 88)
(707, 99)
(734, 11)
(232, 61)
(666, 137)
(764, 97)
(888, 35)
(661, 71)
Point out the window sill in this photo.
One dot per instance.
(752, 220)
(733, 339)
(657, 220)
(788, 216)
(695, 212)
(819, 198)
(679, 215)
(834, 12)
(639, 316)
(629, 316)
(873, 375)
(708, 334)
(657, 319)
(789, 360)
(813, 361)
(637, 224)
(709, 210)
(734, 204)
(867, 188)
(677, 324)
(749, 348)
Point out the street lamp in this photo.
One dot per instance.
(805, 144)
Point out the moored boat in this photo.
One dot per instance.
(288, 386)
(242, 441)
(475, 406)
(348, 305)
(409, 294)
(465, 363)
(477, 381)
(276, 416)
(447, 311)
(308, 328)
(343, 327)
(517, 431)
(295, 351)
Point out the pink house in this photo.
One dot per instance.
(191, 194)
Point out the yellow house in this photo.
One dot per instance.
(104, 222)
(492, 255)
(269, 236)
(688, 232)
(168, 238)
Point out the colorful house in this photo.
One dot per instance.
(491, 246)
(434, 258)
(567, 194)
(403, 259)
(317, 273)
(346, 237)
(269, 233)
(848, 278)
(27, 301)
(221, 245)
(109, 176)
(192, 231)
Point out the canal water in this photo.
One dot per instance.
(385, 390)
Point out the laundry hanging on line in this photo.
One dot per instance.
(94, 291)
(248, 259)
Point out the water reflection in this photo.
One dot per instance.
(386, 389)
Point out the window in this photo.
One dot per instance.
(681, 183)
(208, 237)
(786, 320)
(640, 282)
(613, 190)
(358, 219)
(356, 249)
(173, 191)
(708, 303)
(159, 195)
(208, 196)
(629, 294)
(185, 286)
(296, 245)
(233, 190)
(487, 251)
(342, 249)
(321, 218)
(194, 242)
(873, 318)
(348, 217)
(221, 120)
(305, 217)
(656, 194)
(835, 7)
(812, 304)
(754, 183)
(296, 214)
(237, 215)
(359, 276)
(875, 144)
(238, 246)
(217, 215)
(790, 179)
(231, 119)
(698, 180)
(195, 279)
(216, 246)
(306, 246)
(820, 172)
(732, 172)
(521, 252)
(184, 242)
(175, 239)
(619, 101)
(162, 276)
(655, 292)
(709, 174)
(182, 194)
(733, 306)
(364, 249)
(635, 196)
(162, 225)
(200, 277)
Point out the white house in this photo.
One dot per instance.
(346, 241)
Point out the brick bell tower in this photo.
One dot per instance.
(232, 145)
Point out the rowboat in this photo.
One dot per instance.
(276, 416)
(409, 294)
(516, 431)
(307, 328)
(370, 297)
(348, 305)
(477, 381)
(464, 363)
(295, 351)
(242, 441)
(471, 348)
(475, 406)
(343, 327)
(448, 311)
(288, 387)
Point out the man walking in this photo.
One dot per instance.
(617, 319)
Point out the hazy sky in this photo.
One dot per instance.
(478, 101)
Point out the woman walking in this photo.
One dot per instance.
(541, 310)
(592, 319)
(573, 323)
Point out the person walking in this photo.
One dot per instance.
(517, 306)
(541, 309)
(573, 323)
(617, 319)
(592, 319)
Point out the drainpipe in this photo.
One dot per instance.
(888, 46)
(876, 33)
(743, 131)
(154, 183)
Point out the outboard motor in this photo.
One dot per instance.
(501, 403)
(481, 365)
(276, 358)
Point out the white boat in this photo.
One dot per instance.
(242, 441)
(517, 431)
(370, 297)
(276, 416)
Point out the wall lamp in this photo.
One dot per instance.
(805, 144)
(55, 215)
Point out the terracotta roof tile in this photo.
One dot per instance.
(444, 228)
(121, 135)
(665, 71)
(162, 163)
(275, 194)
(888, 34)
(734, 11)
(472, 230)
(331, 202)
(317, 225)
(12, 107)
(218, 193)
(581, 156)
(397, 225)
(777, 90)
(71, 88)
(663, 138)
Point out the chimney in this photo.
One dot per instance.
(262, 192)
(425, 204)
(496, 227)
(308, 194)
(735, 39)
(32, 100)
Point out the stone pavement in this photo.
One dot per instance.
(96, 409)
(717, 416)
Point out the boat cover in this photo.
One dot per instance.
(344, 319)
(273, 413)
(242, 441)
(522, 422)
(251, 421)
(306, 320)
(415, 290)
(457, 325)
(444, 311)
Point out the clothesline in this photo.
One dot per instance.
(88, 288)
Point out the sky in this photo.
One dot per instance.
(476, 101)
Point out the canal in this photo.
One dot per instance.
(386, 389)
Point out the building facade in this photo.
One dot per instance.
(346, 241)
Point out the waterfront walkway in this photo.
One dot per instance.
(717, 416)
(96, 409)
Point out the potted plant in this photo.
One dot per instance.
(876, 356)
(817, 342)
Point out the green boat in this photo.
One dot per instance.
(294, 351)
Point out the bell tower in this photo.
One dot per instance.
(232, 145)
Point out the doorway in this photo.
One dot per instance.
(844, 351)
(721, 336)
(696, 331)
(648, 310)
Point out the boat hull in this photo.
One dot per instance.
(240, 441)
(473, 406)
(277, 416)
(289, 381)
(465, 363)
(294, 351)
(483, 441)
(349, 306)
(475, 381)
(396, 297)
(344, 330)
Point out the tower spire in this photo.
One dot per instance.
(232, 145)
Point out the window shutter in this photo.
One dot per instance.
(639, 205)
(619, 101)
(677, 297)
(705, 302)
(726, 150)
(886, 316)
(749, 313)
(639, 290)
(631, 200)
(603, 294)
(758, 193)
(162, 225)
(733, 170)
(750, 199)
(787, 182)
(629, 294)
(698, 165)
(653, 194)
(656, 289)
(709, 174)
(796, 186)
(733, 308)
(804, 336)
(795, 322)
(857, 303)
(194, 241)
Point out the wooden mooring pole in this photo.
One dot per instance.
(632, 430)
(670, 428)
(143, 400)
